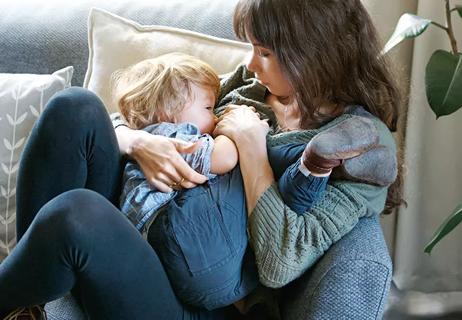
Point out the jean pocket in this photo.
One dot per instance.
(199, 230)
(235, 223)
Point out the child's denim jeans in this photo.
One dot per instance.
(201, 235)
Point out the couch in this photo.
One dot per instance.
(352, 279)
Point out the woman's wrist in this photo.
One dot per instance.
(250, 139)
(256, 170)
(138, 143)
(129, 140)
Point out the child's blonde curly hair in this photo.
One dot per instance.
(156, 90)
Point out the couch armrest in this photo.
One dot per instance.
(351, 281)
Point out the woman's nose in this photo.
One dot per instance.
(251, 63)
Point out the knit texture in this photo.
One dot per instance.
(285, 243)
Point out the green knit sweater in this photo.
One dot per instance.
(287, 244)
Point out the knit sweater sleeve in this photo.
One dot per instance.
(286, 244)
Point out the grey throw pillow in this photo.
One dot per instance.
(22, 99)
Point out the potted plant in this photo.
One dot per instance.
(443, 83)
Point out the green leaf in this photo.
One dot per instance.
(450, 223)
(459, 9)
(409, 26)
(443, 81)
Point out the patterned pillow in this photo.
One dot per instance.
(22, 99)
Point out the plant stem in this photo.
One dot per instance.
(439, 26)
(449, 28)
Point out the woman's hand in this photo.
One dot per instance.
(159, 158)
(241, 123)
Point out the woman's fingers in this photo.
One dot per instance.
(163, 166)
(161, 184)
(231, 107)
(173, 177)
(185, 147)
(176, 175)
(242, 109)
(188, 177)
(240, 121)
(235, 106)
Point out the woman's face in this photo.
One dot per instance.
(267, 70)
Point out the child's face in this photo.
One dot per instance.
(199, 109)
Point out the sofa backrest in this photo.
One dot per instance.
(44, 36)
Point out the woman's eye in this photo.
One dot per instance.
(262, 54)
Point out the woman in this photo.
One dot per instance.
(340, 68)
(316, 58)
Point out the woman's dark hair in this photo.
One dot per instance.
(329, 51)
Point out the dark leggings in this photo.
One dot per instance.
(72, 237)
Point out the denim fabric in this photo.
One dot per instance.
(201, 235)
(76, 239)
(201, 238)
(140, 200)
(298, 191)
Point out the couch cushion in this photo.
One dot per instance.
(22, 99)
(44, 36)
(116, 43)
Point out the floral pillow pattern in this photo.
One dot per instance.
(22, 99)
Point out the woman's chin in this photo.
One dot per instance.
(268, 88)
(275, 92)
(263, 84)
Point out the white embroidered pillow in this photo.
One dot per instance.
(22, 99)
